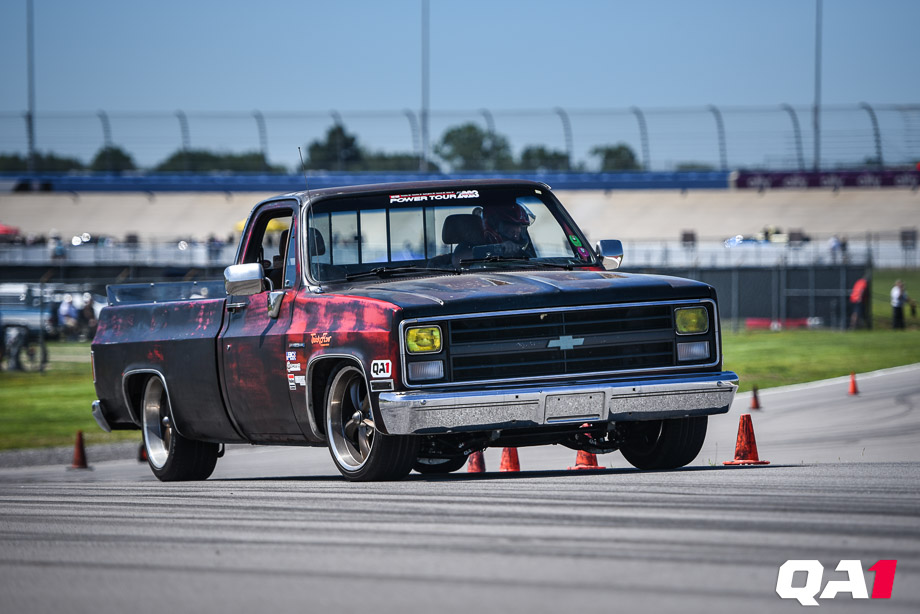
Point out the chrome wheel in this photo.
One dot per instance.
(349, 423)
(158, 430)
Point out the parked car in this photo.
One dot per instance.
(406, 326)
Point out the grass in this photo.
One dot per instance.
(47, 409)
(767, 359)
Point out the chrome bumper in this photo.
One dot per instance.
(424, 412)
(100, 418)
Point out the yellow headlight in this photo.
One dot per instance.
(423, 339)
(691, 320)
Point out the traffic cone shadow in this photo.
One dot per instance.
(79, 453)
(853, 389)
(585, 460)
(746, 445)
(510, 460)
(476, 463)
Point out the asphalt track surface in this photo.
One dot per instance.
(277, 530)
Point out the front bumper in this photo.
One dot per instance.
(431, 412)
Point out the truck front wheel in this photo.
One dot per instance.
(171, 456)
(360, 451)
(664, 444)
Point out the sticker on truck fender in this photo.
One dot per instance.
(292, 384)
(381, 368)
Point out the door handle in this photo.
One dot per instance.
(274, 303)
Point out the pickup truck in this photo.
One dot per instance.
(406, 326)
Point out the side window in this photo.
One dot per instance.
(269, 244)
(290, 265)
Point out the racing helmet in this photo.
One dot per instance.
(510, 214)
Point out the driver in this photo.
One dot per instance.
(506, 225)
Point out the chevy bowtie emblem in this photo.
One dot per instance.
(565, 342)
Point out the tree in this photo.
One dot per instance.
(619, 157)
(199, 160)
(112, 159)
(13, 163)
(43, 163)
(694, 166)
(339, 151)
(539, 158)
(469, 148)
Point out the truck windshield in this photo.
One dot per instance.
(462, 229)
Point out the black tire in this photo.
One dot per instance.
(361, 452)
(664, 444)
(435, 466)
(172, 457)
(33, 356)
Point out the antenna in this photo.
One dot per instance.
(303, 167)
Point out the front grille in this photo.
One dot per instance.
(558, 343)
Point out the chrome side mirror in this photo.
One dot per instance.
(243, 279)
(611, 253)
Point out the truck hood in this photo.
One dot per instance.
(500, 291)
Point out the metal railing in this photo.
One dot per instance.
(874, 251)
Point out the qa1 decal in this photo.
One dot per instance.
(382, 368)
(855, 584)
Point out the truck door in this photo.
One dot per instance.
(253, 344)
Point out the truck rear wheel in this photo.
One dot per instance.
(664, 444)
(171, 456)
(361, 452)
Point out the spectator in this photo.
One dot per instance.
(833, 244)
(67, 318)
(899, 298)
(87, 318)
(857, 303)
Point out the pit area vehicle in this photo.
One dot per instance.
(406, 326)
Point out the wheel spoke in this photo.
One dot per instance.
(354, 392)
(364, 440)
(350, 429)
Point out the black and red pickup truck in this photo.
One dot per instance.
(406, 326)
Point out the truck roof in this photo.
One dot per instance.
(376, 188)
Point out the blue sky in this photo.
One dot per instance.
(238, 56)
(507, 54)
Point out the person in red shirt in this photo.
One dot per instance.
(858, 303)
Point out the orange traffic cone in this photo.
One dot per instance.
(853, 389)
(79, 453)
(476, 463)
(142, 453)
(510, 460)
(746, 446)
(755, 402)
(585, 460)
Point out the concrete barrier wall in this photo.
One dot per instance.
(622, 214)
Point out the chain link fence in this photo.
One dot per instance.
(663, 139)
